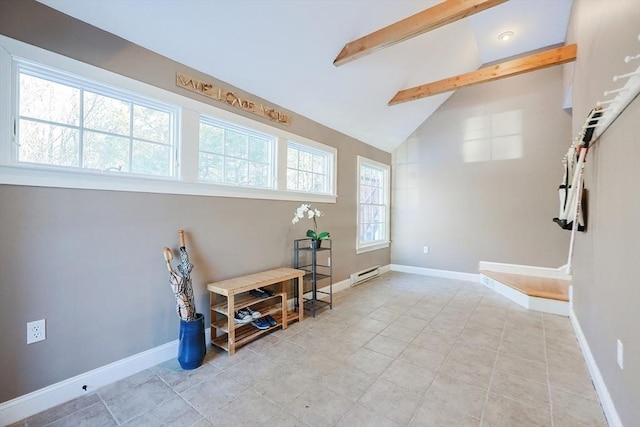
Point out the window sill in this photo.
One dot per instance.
(363, 249)
(34, 176)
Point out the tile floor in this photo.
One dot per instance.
(401, 350)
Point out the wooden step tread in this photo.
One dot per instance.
(541, 287)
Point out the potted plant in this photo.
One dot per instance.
(305, 210)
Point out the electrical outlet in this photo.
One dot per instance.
(36, 331)
(329, 261)
(620, 355)
(425, 249)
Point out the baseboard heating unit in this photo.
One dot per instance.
(364, 275)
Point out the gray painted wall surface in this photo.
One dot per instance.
(90, 262)
(606, 277)
(497, 209)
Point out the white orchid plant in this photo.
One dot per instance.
(305, 210)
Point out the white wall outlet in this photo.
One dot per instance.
(36, 331)
(329, 261)
(620, 355)
(425, 249)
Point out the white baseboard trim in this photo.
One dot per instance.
(610, 412)
(456, 275)
(560, 308)
(63, 391)
(527, 270)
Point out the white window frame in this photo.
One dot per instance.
(362, 247)
(211, 121)
(329, 156)
(185, 180)
(84, 85)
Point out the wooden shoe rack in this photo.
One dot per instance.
(231, 295)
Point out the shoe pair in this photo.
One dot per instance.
(260, 293)
(264, 322)
(245, 315)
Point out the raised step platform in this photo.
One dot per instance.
(549, 295)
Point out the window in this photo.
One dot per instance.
(373, 205)
(234, 155)
(309, 169)
(67, 122)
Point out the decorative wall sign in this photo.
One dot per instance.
(211, 91)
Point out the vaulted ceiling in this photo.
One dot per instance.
(283, 50)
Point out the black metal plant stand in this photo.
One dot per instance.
(316, 261)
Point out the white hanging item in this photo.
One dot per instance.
(570, 192)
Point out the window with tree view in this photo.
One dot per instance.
(308, 169)
(69, 122)
(373, 203)
(234, 155)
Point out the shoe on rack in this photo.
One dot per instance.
(258, 293)
(254, 314)
(242, 316)
(261, 323)
(271, 320)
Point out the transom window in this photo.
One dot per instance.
(234, 155)
(68, 122)
(308, 169)
(373, 204)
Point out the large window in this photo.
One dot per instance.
(69, 122)
(373, 205)
(309, 169)
(234, 155)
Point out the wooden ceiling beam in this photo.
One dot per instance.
(429, 19)
(514, 67)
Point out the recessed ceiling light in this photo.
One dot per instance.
(505, 36)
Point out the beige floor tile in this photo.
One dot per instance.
(423, 357)
(60, 411)
(463, 398)
(136, 395)
(284, 352)
(371, 325)
(388, 346)
(518, 388)
(523, 350)
(528, 369)
(251, 370)
(246, 409)
(208, 397)
(501, 411)
(285, 383)
(390, 400)
(175, 412)
(355, 336)
(400, 332)
(319, 406)
(384, 314)
(180, 380)
(95, 415)
(361, 416)
(568, 407)
(432, 340)
(411, 322)
(369, 361)
(434, 414)
(348, 382)
(482, 337)
(284, 419)
(409, 376)
(468, 371)
(572, 382)
(567, 346)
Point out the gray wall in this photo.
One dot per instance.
(497, 209)
(606, 277)
(90, 262)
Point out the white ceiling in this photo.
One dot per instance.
(283, 50)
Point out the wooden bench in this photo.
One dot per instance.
(230, 295)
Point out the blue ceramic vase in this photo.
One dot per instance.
(192, 347)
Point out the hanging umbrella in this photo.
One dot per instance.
(181, 286)
(185, 268)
